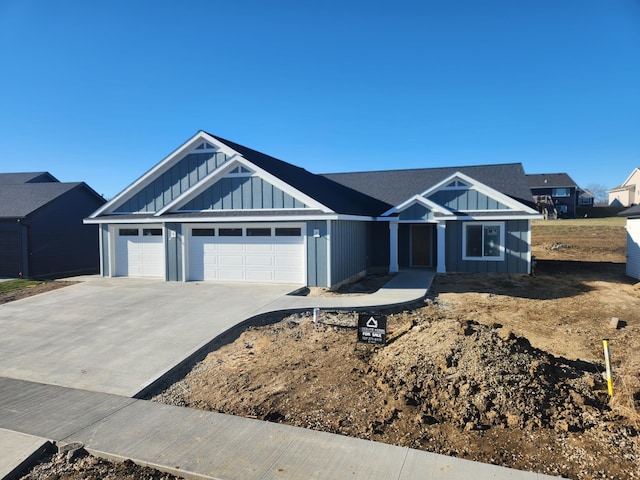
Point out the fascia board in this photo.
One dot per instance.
(235, 160)
(213, 219)
(536, 216)
(418, 199)
(481, 187)
(630, 176)
(153, 173)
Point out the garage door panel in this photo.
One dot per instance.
(263, 276)
(259, 261)
(230, 247)
(230, 275)
(231, 260)
(260, 248)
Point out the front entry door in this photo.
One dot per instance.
(421, 245)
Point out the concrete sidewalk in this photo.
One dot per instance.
(197, 444)
(406, 287)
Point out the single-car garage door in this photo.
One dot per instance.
(270, 254)
(139, 252)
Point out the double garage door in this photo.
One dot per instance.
(265, 253)
(261, 253)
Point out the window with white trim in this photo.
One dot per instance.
(483, 241)
(560, 192)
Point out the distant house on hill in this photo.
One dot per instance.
(559, 188)
(41, 228)
(628, 193)
(633, 240)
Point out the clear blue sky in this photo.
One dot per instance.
(100, 91)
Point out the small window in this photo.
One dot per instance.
(230, 232)
(560, 192)
(128, 232)
(288, 232)
(203, 232)
(152, 232)
(258, 232)
(483, 241)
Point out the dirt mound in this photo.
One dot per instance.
(476, 377)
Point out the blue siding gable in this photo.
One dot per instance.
(242, 193)
(416, 212)
(173, 183)
(466, 199)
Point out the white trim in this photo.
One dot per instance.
(418, 199)
(200, 186)
(481, 187)
(502, 245)
(629, 177)
(114, 219)
(222, 171)
(529, 259)
(502, 218)
(154, 172)
(285, 187)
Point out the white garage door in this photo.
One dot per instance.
(267, 254)
(139, 252)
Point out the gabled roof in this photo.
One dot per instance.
(324, 190)
(19, 201)
(31, 177)
(395, 186)
(625, 185)
(550, 180)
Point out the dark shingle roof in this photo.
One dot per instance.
(337, 197)
(395, 186)
(550, 180)
(18, 201)
(21, 178)
(631, 212)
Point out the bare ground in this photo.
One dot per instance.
(504, 369)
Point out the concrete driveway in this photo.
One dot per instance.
(118, 335)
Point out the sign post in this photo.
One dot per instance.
(372, 329)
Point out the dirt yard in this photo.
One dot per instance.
(504, 369)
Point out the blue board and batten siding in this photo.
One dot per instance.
(104, 251)
(174, 241)
(317, 253)
(349, 250)
(516, 258)
(173, 183)
(242, 193)
(466, 200)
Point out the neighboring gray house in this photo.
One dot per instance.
(216, 210)
(41, 226)
(563, 191)
(633, 240)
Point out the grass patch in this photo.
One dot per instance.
(17, 284)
